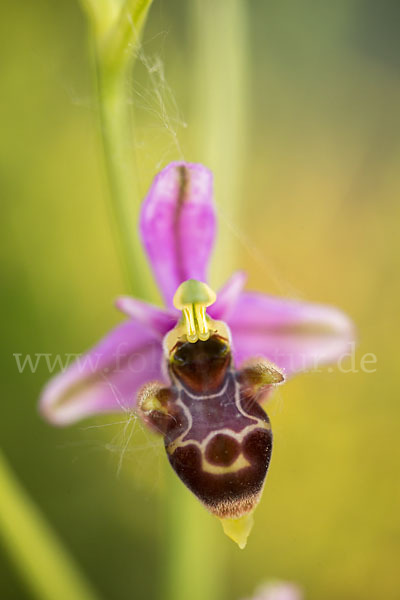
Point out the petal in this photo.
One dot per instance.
(278, 591)
(106, 378)
(294, 335)
(157, 319)
(177, 225)
(228, 296)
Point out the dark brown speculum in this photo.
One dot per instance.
(217, 437)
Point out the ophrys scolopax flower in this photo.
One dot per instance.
(198, 376)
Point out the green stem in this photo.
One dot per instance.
(113, 47)
(195, 542)
(221, 85)
(115, 127)
(45, 565)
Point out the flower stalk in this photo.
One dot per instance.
(114, 121)
(194, 563)
(220, 109)
(115, 34)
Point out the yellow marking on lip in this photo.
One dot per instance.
(240, 463)
(239, 436)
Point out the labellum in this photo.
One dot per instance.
(217, 437)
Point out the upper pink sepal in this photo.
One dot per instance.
(177, 225)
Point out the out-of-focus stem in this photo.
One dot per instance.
(193, 566)
(221, 93)
(196, 556)
(115, 124)
(44, 563)
(114, 42)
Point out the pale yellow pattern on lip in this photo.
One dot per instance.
(240, 463)
(238, 436)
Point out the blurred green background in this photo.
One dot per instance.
(318, 220)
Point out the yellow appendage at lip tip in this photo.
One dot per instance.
(238, 530)
(192, 297)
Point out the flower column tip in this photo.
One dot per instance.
(193, 297)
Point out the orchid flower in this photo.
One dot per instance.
(280, 590)
(197, 370)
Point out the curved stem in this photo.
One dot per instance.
(44, 563)
(115, 126)
(115, 36)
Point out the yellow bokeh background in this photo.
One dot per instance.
(317, 220)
